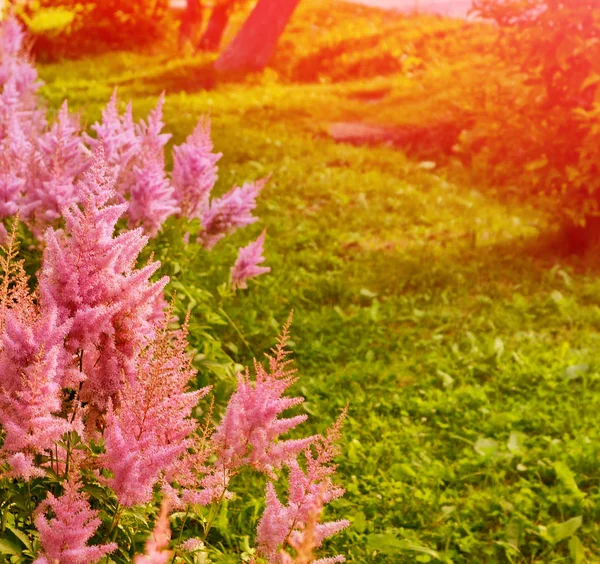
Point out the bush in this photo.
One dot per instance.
(536, 125)
(92, 26)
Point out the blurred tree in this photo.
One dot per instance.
(190, 22)
(217, 23)
(255, 43)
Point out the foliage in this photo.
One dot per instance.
(352, 42)
(551, 51)
(68, 27)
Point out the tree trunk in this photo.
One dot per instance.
(191, 22)
(217, 23)
(255, 43)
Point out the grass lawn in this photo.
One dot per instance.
(466, 350)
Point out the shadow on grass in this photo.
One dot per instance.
(465, 266)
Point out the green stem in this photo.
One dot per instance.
(213, 514)
(235, 327)
(112, 531)
(180, 534)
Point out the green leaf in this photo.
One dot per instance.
(7, 547)
(359, 523)
(486, 447)
(447, 380)
(385, 543)
(390, 544)
(567, 479)
(21, 536)
(515, 442)
(577, 550)
(561, 531)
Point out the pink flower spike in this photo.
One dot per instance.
(157, 545)
(246, 265)
(229, 213)
(296, 524)
(148, 436)
(195, 171)
(90, 276)
(64, 537)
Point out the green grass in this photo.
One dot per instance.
(466, 350)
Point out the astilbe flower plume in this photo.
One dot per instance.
(16, 67)
(151, 195)
(249, 433)
(64, 537)
(59, 158)
(157, 545)
(305, 542)
(195, 171)
(32, 369)
(152, 428)
(16, 154)
(90, 275)
(135, 158)
(247, 264)
(117, 136)
(230, 212)
(286, 525)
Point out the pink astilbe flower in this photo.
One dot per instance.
(151, 198)
(151, 431)
(151, 194)
(249, 433)
(309, 490)
(191, 545)
(228, 213)
(149, 132)
(195, 171)
(15, 158)
(90, 276)
(157, 545)
(305, 542)
(116, 133)
(247, 264)
(14, 58)
(18, 79)
(12, 38)
(135, 157)
(32, 370)
(60, 157)
(64, 537)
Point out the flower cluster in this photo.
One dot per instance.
(42, 163)
(91, 354)
(295, 524)
(95, 374)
